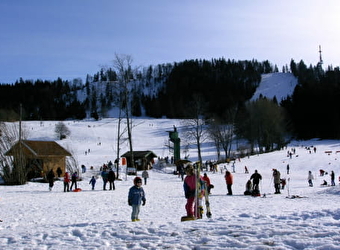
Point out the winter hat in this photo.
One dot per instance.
(189, 169)
(137, 179)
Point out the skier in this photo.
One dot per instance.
(50, 177)
(310, 178)
(256, 177)
(276, 176)
(229, 181)
(136, 198)
(93, 182)
(189, 186)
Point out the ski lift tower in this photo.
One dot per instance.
(175, 144)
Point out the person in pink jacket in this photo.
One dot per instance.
(189, 186)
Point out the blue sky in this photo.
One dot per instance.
(71, 38)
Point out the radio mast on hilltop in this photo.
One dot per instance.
(320, 61)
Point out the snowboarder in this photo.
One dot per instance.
(50, 178)
(145, 176)
(256, 177)
(136, 198)
(66, 182)
(93, 182)
(276, 176)
(310, 178)
(229, 181)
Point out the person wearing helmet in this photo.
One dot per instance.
(136, 198)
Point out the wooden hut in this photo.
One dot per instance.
(40, 156)
(143, 159)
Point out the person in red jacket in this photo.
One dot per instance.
(229, 181)
(67, 182)
(207, 182)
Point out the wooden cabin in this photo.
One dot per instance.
(143, 159)
(40, 156)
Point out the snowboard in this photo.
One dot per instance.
(188, 218)
(77, 190)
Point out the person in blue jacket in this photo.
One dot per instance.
(136, 198)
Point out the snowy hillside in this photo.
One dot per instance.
(35, 218)
(276, 84)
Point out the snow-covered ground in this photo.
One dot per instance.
(276, 84)
(35, 218)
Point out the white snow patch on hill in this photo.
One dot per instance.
(280, 85)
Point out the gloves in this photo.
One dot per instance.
(130, 204)
(143, 204)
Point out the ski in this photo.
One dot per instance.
(207, 202)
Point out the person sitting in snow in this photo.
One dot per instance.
(248, 188)
(136, 198)
(283, 183)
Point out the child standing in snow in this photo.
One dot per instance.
(136, 198)
(93, 182)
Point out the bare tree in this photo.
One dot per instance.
(125, 75)
(61, 130)
(195, 124)
(12, 168)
